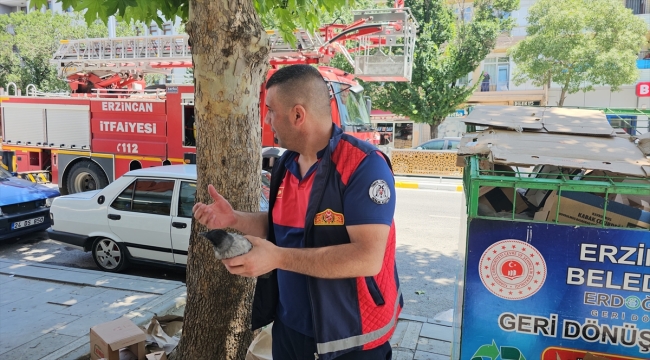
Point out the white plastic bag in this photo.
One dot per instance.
(260, 348)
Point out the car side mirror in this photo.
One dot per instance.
(14, 174)
(419, 147)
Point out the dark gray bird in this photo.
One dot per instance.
(227, 245)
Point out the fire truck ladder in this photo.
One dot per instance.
(125, 54)
(383, 41)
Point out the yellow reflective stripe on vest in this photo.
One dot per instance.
(360, 340)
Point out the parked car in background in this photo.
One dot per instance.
(24, 206)
(450, 143)
(145, 216)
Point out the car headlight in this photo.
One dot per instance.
(1, 214)
(48, 202)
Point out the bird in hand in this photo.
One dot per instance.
(227, 245)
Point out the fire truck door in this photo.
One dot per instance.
(181, 226)
(141, 216)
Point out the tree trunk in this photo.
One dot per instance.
(560, 102)
(565, 87)
(433, 128)
(230, 56)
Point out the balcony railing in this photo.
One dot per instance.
(494, 86)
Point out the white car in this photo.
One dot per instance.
(144, 216)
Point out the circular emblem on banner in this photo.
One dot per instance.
(512, 269)
(632, 302)
(379, 192)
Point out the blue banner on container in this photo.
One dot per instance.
(554, 292)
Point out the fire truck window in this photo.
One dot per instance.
(352, 106)
(190, 132)
(186, 199)
(153, 196)
(124, 200)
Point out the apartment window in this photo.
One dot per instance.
(637, 6)
(465, 80)
(498, 74)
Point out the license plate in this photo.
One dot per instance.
(26, 223)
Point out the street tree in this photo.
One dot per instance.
(230, 51)
(449, 46)
(578, 44)
(27, 42)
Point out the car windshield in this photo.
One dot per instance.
(4, 174)
(352, 106)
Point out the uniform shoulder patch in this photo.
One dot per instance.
(379, 192)
(329, 217)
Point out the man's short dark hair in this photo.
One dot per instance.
(290, 75)
(302, 84)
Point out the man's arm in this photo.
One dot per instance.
(220, 215)
(256, 223)
(362, 257)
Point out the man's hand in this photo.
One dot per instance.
(218, 215)
(263, 258)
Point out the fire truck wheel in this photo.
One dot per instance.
(85, 176)
(109, 255)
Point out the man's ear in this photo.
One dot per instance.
(299, 113)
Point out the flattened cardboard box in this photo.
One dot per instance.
(587, 209)
(108, 338)
(500, 199)
(158, 355)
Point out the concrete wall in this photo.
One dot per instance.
(4, 9)
(600, 97)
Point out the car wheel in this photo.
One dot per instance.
(85, 176)
(109, 255)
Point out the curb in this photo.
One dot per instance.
(428, 186)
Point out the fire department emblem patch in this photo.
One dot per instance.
(512, 269)
(329, 217)
(379, 192)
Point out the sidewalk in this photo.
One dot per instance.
(420, 338)
(46, 311)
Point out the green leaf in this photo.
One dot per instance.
(419, 292)
(94, 10)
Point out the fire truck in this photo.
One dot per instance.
(110, 122)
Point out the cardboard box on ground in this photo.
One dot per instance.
(121, 339)
(108, 338)
(564, 144)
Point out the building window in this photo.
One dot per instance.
(465, 80)
(496, 71)
(637, 6)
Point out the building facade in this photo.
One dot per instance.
(499, 89)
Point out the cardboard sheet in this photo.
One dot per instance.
(584, 208)
(539, 119)
(509, 117)
(615, 154)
